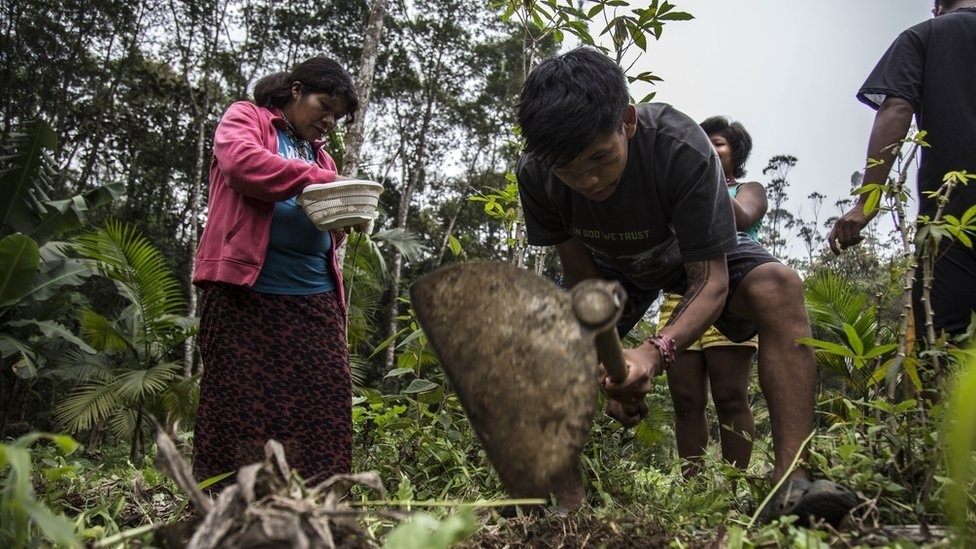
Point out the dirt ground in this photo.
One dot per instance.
(590, 531)
(576, 531)
(266, 508)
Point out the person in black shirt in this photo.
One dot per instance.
(636, 193)
(928, 72)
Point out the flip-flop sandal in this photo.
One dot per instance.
(811, 501)
(786, 498)
(825, 500)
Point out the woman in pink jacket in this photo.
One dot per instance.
(272, 323)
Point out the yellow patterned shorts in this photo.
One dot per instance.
(711, 338)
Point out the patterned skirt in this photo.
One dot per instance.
(274, 367)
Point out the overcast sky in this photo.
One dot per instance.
(788, 70)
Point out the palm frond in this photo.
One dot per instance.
(76, 365)
(650, 430)
(840, 314)
(362, 311)
(407, 242)
(123, 423)
(86, 406)
(364, 256)
(101, 333)
(832, 302)
(359, 370)
(138, 269)
(133, 386)
(365, 278)
(148, 327)
(180, 400)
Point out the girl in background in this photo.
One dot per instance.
(714, 360)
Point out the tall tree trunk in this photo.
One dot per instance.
(196, 200)
(364, 85)
(389, 360)
(364, 88)
(445, 242)
(413, 182)
(201, 111)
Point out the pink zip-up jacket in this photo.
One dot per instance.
(247, 178)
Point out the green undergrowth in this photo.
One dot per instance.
(442, 491)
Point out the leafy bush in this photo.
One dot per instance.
(134, 371)
(25, 521)
(38, 280)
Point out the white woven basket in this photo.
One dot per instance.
(340, 204)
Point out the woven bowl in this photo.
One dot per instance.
(340, 204)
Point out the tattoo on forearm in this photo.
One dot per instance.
(698, 273)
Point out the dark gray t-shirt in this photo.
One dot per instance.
(932, 65)
(671, 206)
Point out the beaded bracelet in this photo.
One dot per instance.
(665, 346)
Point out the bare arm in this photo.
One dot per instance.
(891, 124)
(708, 284)
(701, 304)
(749, 204)
(578, 264)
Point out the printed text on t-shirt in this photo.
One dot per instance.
(604, 235)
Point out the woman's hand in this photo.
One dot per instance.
(365, 228)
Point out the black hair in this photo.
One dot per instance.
(318, 74)
(568, 101)
(739, 140)
(948, 5)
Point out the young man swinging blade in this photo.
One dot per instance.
(635, 193)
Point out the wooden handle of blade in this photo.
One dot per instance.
(611, 354)
(598, 305)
